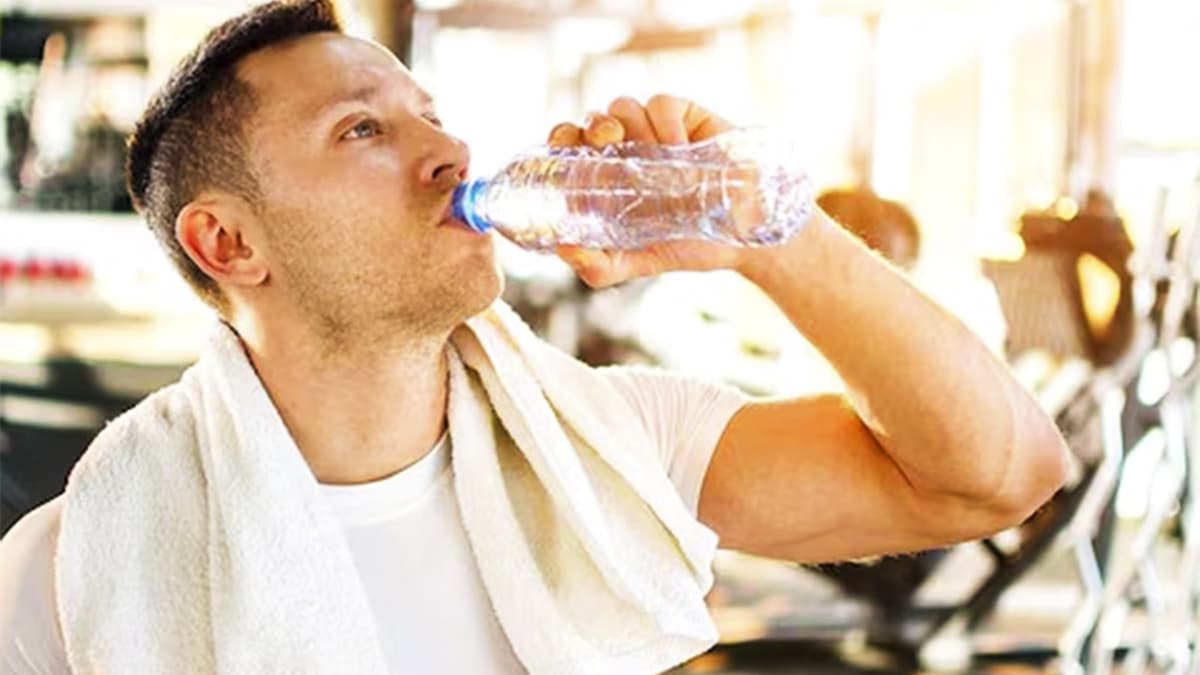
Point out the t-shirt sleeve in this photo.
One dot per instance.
(684, 416)
(30, 640)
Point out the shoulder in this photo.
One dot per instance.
(138, 437)
(142, 461)
(31, 539)
(684, 416)
(30, 640)
(657, 391)
(164, 408)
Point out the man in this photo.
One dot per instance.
(300, 180)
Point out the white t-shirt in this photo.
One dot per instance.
(406, 537)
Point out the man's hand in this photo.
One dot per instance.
(663, 120)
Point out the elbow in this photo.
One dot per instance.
(1033, 459)
(1039, 462)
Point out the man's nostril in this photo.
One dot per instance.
(448, 175)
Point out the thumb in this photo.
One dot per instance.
(599, 269)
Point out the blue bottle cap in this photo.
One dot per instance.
(464, 203)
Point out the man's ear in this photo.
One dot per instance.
(212, 229)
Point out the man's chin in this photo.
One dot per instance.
(471, 293)
(488, 292)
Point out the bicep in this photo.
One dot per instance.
(805, 480)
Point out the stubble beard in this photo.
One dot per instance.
(358, 315)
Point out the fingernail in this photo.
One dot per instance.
(603, 130)
(566, 135)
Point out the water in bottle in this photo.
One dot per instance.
(744, 187)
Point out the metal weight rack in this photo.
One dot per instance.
(1155, 572)
(1140, 599)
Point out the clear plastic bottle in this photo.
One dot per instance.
(744, 187)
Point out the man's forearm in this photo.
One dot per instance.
(947, 412)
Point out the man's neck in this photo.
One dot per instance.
(358, 413)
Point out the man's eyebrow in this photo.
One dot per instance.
(361, 94)
(365, 94)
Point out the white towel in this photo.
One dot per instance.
(194, 537)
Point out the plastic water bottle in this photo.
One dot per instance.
(744, 187)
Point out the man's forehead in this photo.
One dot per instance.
(309, 72)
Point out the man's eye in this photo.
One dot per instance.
(433, 119)
(364, 129)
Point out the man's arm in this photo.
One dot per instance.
(935, 442)
(30, 640)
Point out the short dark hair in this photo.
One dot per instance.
(191, 137)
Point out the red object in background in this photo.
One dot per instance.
(8, 270)
(66, 270)
(74, 271)
(41, 270)
(58, 269)
(34, 269)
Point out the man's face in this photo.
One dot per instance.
(356, 175)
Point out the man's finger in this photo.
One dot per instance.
(603, 268)
(602, 130)
(592, 266)
(666, 115)
(565, 135)
(677, 120)
(703, 124)
(633, 117)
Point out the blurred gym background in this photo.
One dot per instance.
(1033, 164)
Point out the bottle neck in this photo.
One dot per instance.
(466, 205)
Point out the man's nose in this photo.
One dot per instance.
(447, 163)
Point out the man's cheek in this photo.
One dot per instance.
(383, 164)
